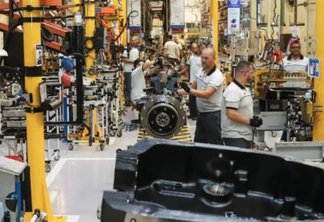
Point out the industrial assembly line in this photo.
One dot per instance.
(161, 110)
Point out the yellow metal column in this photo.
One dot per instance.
(90, 27)
(318, 134)
(75, 9)
(124, 18)
(90, 32)
(35, 121)
(123, 40)
(214, 17)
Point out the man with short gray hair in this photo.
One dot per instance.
(208, 88)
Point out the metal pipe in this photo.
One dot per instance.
(295, 13)
(79, 48)
(124, 19)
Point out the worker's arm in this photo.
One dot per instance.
(165, 50)
(147, 64)
(232, 102)
(151, 71)
(182, 92)
(202, 93)
(235, 116)
(212, 87)
(125, 59)
(177, 53)
(206, 94)
(180, 49)
(165, 53)
(184, 70)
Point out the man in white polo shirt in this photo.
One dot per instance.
(171, 50)
(295, 62)
(208, 88)
(128, 58)
(237, 109)
(138, 78)
(193, 65)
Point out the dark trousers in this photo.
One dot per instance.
(193, 106)
(127, 86)
(238, 142)
(208, 128)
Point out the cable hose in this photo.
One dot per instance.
(127, 20)
(47, 35)
(6, 43)
(274, 19)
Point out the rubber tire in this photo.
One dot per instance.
(70, 146)
(102, 147)
(119, 134)
(48, 168)
(57, 156)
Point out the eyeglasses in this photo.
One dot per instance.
(247, 71)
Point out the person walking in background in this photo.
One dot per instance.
(129, 56)
(193, 66)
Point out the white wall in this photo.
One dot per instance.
(192, 11)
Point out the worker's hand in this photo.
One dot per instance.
(256, 121)
(152, 70)
(185, 87)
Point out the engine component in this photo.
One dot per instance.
(299, 117)
(159, 180)
(163, 116)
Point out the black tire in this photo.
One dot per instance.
(70, 146)
(57, 156)
(118, 150)
(119, 134)
(48, 168)
(102, 146)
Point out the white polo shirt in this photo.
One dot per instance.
(239, 98)
(138, 83)
(133, 55)
(171, 48)
(292, 65)
(195, 65)
(179, 45)
(214, 79)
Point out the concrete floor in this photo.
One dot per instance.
(77, 181)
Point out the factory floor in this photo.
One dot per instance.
(77, 181)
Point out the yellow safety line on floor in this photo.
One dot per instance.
(184, 135)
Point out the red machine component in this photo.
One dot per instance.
(56, 29)
(50, 2)
(106, 11)
(66, 79)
